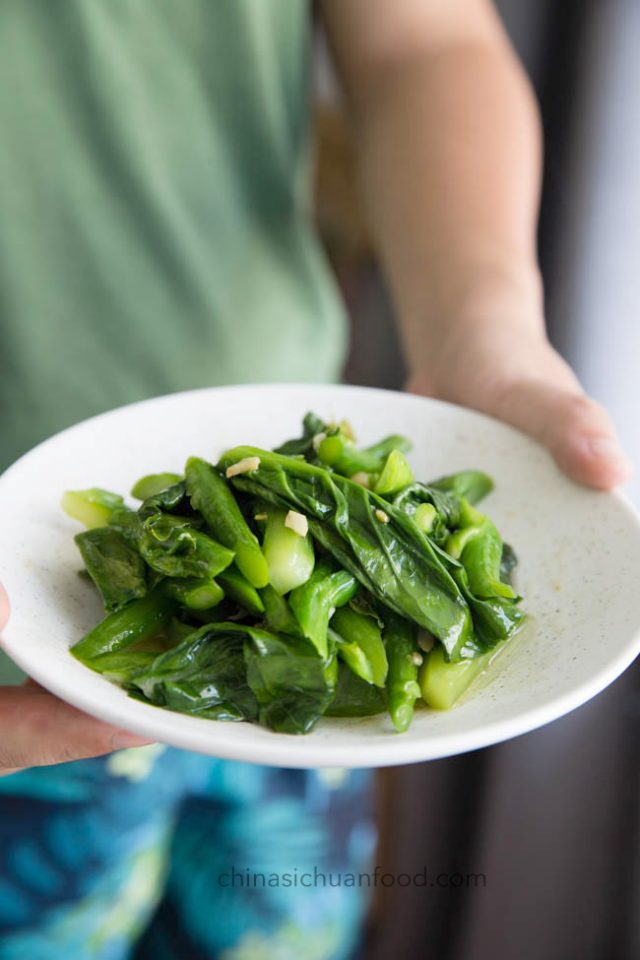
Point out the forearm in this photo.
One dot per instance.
(449, 146)
(450, 159)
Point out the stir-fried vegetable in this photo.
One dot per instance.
(402, 679)
(278, 587)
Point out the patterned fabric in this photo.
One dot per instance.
(154, 190)
(155, 201)
(161, 854)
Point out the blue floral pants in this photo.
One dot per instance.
(160, 854)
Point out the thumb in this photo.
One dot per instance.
(37, 729)
(575, 429)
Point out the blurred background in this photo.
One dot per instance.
(552, 819)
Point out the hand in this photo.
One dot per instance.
(38, 729)
(514, 374)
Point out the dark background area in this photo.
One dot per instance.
(552, 818)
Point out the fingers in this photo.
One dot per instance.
(4, 607)
(37, 729)
(524, 382)
(576, 430)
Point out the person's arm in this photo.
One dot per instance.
(449, 148)
(36, 728)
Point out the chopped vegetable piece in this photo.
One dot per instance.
(443, 683)
(394, 561)
(211, 497)
(117, 570)
(193, 593)
(278, 614)
(354, 697)
(292, 685)
(239, 589)
(92, 507)
(174, 547)
(370, 589)
(242, 466)
(171, 499)
(396, 474)
(472, 485)
(204, 675)
(402, 679)
(139, 620)
(314, 603)
(297, 522)
(121, 666)
(425, 517)
(290, 557)
(153, 484)
(360, 645)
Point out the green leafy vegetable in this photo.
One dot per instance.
(278, 614)
(239, 589)
(354, 697)
(402, 680)
(280, 587)
(139, 620)
(172, 545)
(121, 666)
(471, 485)
(211, 497)
(172, 499)
(359, 644)
(290, 557)
(193, 593)
(393, 560)
(116, 569)
(92, 507)
(312, 425)
(153, 484)
(443, 683)
(292, 685)
(396, 475)
(314, 603)
(204, 675)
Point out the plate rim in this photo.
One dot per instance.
(291, 750)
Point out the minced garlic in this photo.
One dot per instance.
(297, 522)
(246, 465)
(362, 478)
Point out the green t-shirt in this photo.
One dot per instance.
(154, 206)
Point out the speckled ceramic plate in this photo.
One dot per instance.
(579, 561)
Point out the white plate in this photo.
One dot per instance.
(579, 566)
